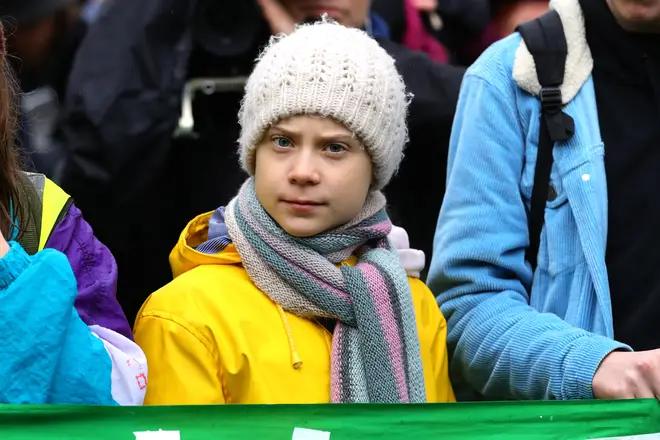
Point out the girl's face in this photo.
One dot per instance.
(311, 175)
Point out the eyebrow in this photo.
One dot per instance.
(326, 137)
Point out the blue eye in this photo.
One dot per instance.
(281, 141)
(336, 148)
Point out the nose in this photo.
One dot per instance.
(304, 169)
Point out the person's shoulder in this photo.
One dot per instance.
(204, 294)
(495, 64)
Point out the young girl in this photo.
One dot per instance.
(65, 338)
(293, 293)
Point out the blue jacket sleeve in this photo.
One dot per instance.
(501, 347)
(49, 354)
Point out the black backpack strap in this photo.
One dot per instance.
(545, 40)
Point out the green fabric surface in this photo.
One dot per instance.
(579, 420)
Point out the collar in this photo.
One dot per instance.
(376, 26)
(579, 62)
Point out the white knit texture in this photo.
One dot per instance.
(329, 70)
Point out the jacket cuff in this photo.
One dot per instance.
(13, 264)
(582, 363)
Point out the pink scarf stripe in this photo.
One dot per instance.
(388, 323)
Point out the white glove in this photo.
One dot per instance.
(412, 260)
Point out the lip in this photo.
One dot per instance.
(302, 205)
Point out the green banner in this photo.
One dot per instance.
(579, 420)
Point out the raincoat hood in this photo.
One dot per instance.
(185, 256)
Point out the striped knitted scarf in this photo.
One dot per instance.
(375, 347)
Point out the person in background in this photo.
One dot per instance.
(65, 337)
(293, 293)
(508, 14)
(464, 27)
(417, 37)
(565, 330)
(452, 23)
(505, 16)
(90, 9)
(127, 145)
(43, 38)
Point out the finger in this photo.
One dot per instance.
(426, 5)
(648, 369)
(621, 392)
(654, 384)
(271, 8)
(277, 16)
(643, 390)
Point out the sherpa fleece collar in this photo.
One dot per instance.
(579, 62)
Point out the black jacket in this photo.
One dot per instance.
(138, 186)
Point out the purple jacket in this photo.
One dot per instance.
(95, 271)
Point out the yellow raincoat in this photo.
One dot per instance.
(212, 337)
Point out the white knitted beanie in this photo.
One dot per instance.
(329, 70)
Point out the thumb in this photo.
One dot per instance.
(399, 237)
(277, 16)
(425, 5)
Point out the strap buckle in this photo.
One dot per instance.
(551, 98)
(561, 126)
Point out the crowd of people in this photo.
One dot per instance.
(265, 183)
